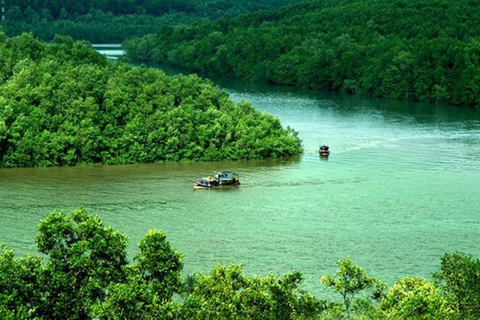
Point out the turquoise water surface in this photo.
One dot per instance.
(399, 190)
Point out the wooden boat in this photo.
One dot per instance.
(324, 151)
(220, 179)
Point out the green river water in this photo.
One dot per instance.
(400, 189)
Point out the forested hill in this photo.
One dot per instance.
(153, 7)
(116, 20)
(63, 103)
(426, 50)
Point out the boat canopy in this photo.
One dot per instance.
(225, 173)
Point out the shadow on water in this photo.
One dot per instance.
(347, 104)
(29, 176)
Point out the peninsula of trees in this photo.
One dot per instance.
(106, 21)
(85, 274)
(63, 103)
(425, 50)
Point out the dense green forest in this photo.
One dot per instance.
(427, 50)
(153, 7)
(63, 103)
(116, 20)
(81, 271)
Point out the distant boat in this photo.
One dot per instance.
(220, 179)
(324, 151)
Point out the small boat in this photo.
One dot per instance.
(220, 179)
(324, 151)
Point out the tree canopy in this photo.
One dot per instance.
(406, 49)
(63, 103)
(153, 7)
(85, 274)
(105, 21)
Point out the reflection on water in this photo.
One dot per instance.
(399, 189)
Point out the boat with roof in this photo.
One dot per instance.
(324, 151)
(219, 179)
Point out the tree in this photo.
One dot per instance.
(415, 298)
(226, 293)
(20, 293)
(31, 16)
(350, 281)
(63, 14)
(150, 284)
(83, 258)
(14, 13)
(459, 278)
(85, 274)
(159, 265)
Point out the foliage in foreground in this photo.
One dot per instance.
(63, 103)
(85, 275)
(407, 49)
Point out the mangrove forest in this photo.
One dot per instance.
(63, 103)
(405, 49)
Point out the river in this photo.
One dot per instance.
(399, 190)
(112, 51)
